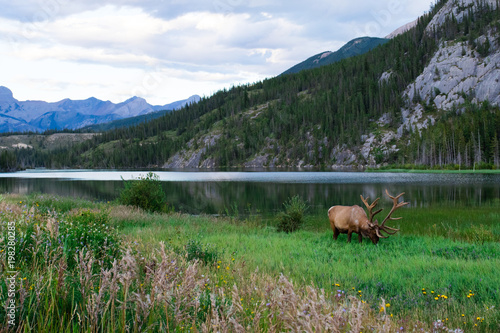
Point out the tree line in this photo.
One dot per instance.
(305, 116)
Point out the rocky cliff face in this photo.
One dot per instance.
(455, 72)
(457, 9)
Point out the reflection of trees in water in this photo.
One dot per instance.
(93, 190)
(215, 197)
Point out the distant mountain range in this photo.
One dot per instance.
(38, 116)
(125, 122)
(355, 47)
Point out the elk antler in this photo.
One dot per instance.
(395, 206)
(370, 207)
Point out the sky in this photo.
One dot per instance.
(168, 50)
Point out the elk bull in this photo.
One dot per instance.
(349, 219)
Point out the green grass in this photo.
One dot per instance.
(443, 252)
(448, 250)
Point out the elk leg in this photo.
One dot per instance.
(336, 233)
(360, 238)
(349, 233)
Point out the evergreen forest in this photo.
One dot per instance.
(312, 115)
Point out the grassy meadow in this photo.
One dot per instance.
(104, 267)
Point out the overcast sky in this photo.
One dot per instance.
(167, 50)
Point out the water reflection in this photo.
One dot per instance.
(264, 192)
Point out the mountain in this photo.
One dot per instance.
(126, 122)
(427, 98)
(402, 29)
(353, 48)
(38, 116)
(179, 104)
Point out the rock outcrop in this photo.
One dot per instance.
(455, 72)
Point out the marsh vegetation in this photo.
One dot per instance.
(93, 266)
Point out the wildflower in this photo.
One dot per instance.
(463, 315)
(425, 293)
(337, 285)
(436, 298)
(387, 305)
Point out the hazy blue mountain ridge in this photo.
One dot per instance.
(38, 116)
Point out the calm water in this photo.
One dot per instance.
(264, 192)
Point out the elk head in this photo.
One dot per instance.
(349, 219)
(376, 229)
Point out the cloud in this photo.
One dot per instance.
(196, 47)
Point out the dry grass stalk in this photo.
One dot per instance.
(85, 261)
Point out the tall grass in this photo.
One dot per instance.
(159, 291)
(409, 270)
(254, 278)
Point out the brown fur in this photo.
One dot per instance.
(349, 219)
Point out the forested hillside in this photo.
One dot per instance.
(356, 112)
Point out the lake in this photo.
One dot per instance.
(264, 192)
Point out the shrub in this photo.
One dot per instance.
(292, 218)
(89, 230)
(146, 193)
(66, 236)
